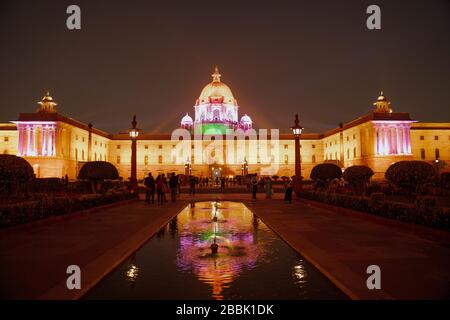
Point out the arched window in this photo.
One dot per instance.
(286, 159)
(82, 155)
(313, 160)
(348, 153)
(354, 152)
(146, 160)
(118, 160)
(160, 159)
(422, 154)
(76, 154)
(436, 153)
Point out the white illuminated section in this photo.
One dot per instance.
(36, 138)
(392, 137)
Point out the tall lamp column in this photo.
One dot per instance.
(297, 131)
(134, 133)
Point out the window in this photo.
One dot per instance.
(76, 154)
(335, 142)
(76, 137)
(436, 138)
(118, 146)
(313, 159)
(82, 155)
(354, 152)
(82, 139)
(118, 160)
(6, 139)
(422, 154)
(160, 159)
(325, 145)
(95, 142)
(146, 146)
(348, 138)
(286, 159)
(146, 160)
(422, 138)
(95, 156)
(348, 153)
(101, 144)
(160, 146)
(286, 146)
(313, 146)
(354, 136)
(335, 155)
(436, 153)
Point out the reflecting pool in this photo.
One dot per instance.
(216, 250)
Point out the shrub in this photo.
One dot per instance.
(358, 177)
(326, 172)
(14, 169)
(52, 206)
(275, 177)
(45, 185)
(423, 211)
(409, 176)
(444, 181)
(97, 171)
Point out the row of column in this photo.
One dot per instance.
(392, 140)
(37, 140)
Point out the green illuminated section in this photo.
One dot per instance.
(214, 128)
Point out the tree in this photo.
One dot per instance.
(410, 176)
(444, 182)
(13, 172)
(323, 173)
(358, 177)
(98, 171)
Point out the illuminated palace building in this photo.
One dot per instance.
(56, 145)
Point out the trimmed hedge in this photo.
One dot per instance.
(423, 211)
(24, 212)
(98, 170)
(326, 172)
(410, 175)
(358, 177)
(14, 169)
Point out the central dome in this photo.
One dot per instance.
(216, 91)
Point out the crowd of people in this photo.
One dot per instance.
(163, 185)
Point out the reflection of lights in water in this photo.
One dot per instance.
(299, 273)
(236, 249)
(132, 273)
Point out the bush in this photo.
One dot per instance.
(409, 176)
(14, 169)
(444, 181)
(53, 206)
(358, 177)
(45, 185)
(326, 172)
(275, 177)
(98, 170)
(423, 211)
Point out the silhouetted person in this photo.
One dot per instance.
(254, 184)
(288, 193)
(173, 184)
(150, 185)
(192, 182)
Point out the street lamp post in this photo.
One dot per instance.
(297, 131)
(188, 167)
(134, 133)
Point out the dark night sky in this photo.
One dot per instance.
(152, 58)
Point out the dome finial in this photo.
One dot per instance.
(216, 75)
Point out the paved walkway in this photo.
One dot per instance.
(34, 260)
